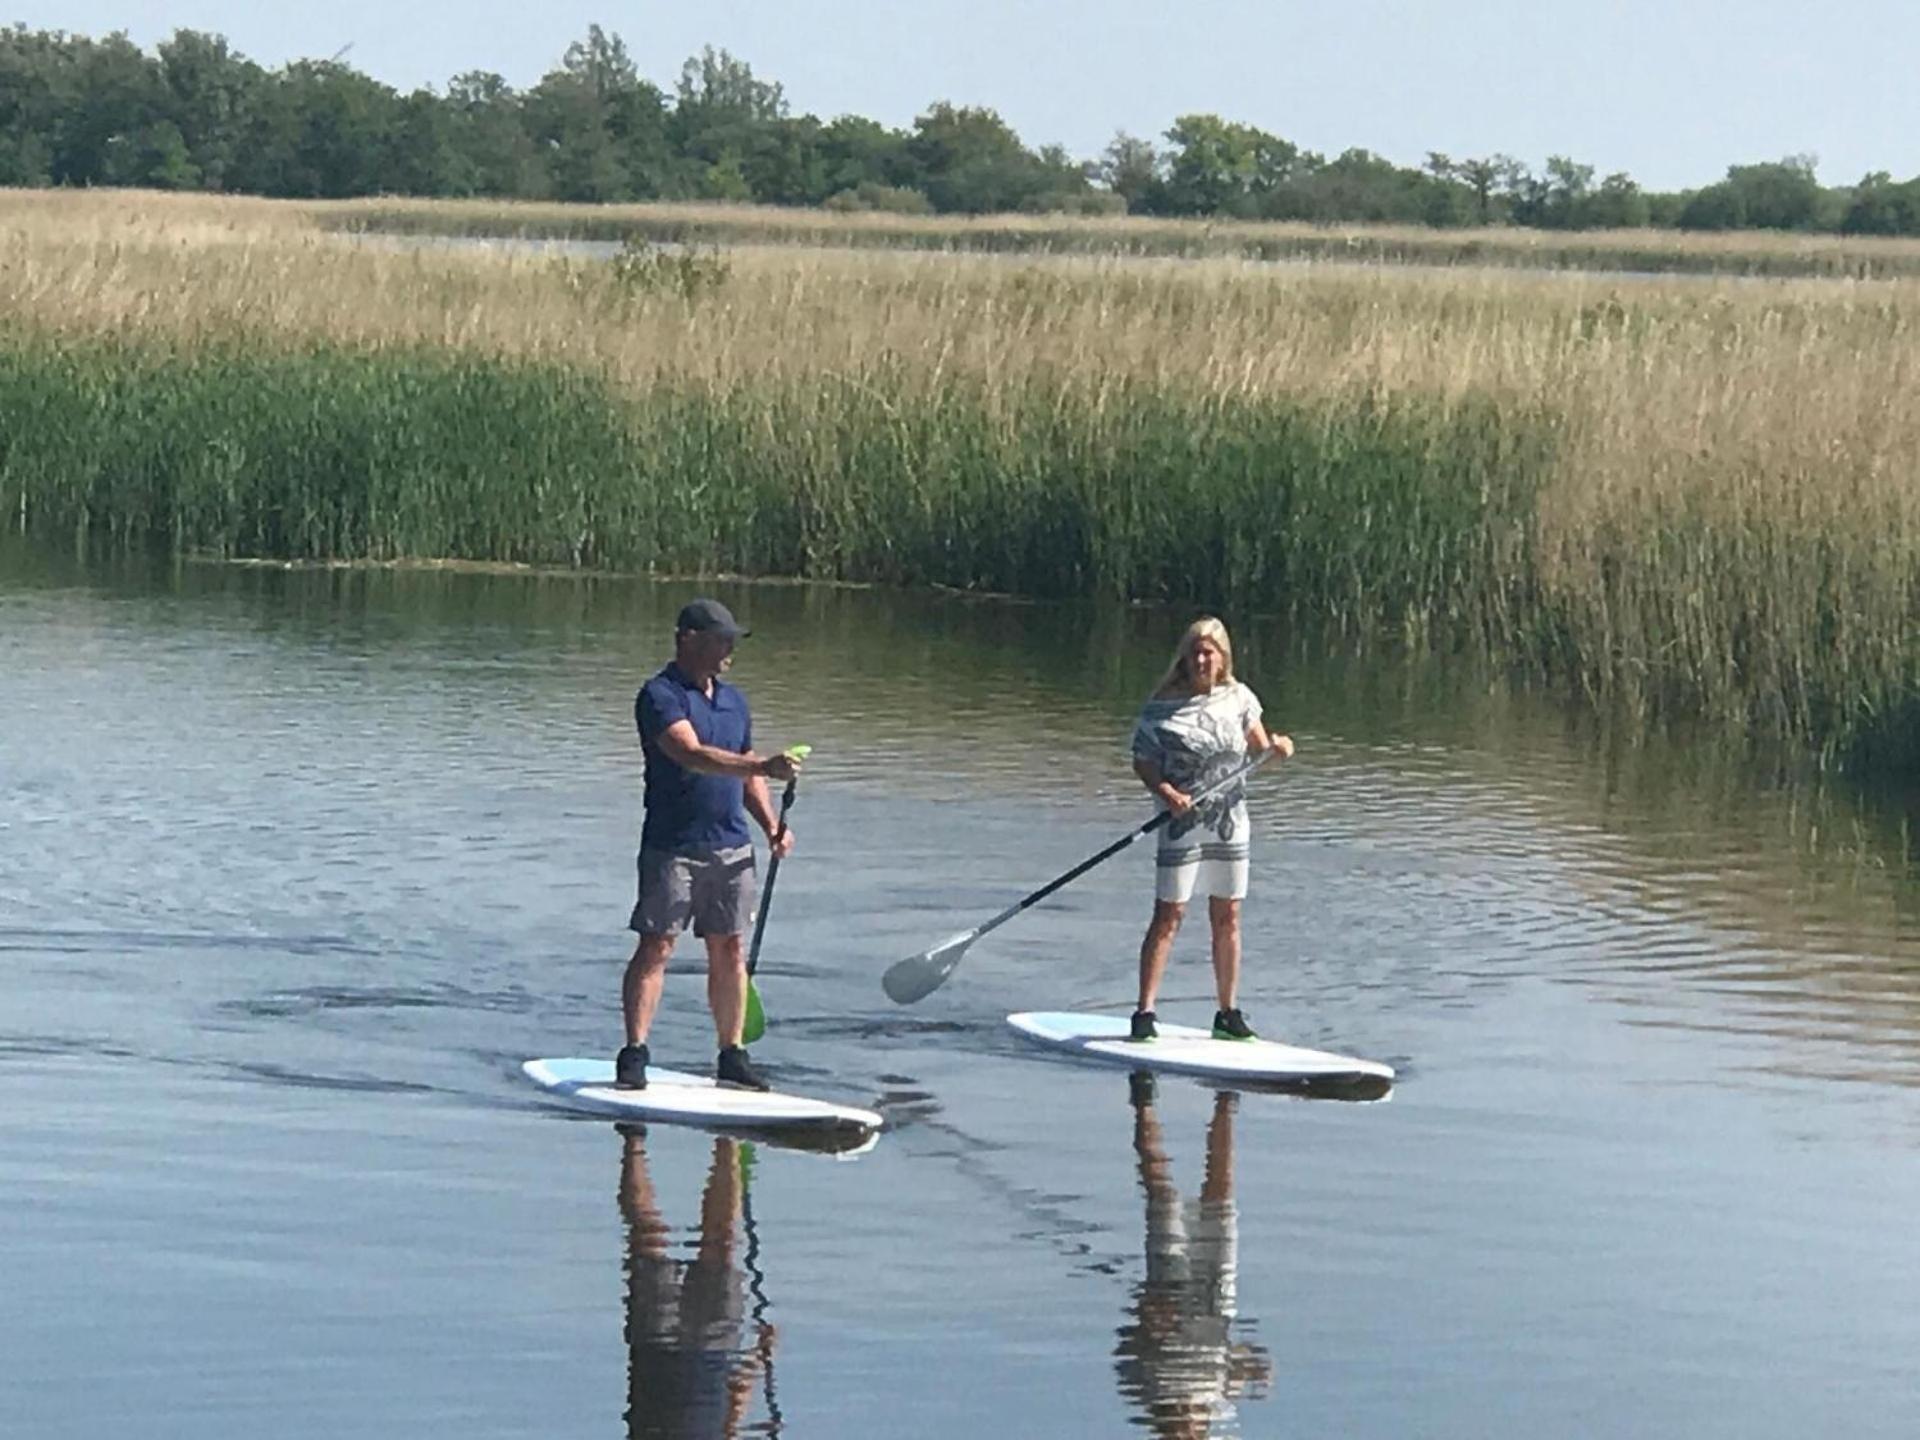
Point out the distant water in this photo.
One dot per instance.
(295, 868)
(559, 248)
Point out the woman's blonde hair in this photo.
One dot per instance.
(1179, 677)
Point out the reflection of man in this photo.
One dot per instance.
(687, 1374)
(1177, 1358)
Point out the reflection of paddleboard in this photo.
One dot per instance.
(675, 1098)
(1188, 1051)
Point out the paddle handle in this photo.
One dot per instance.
(1026, 902)
(798, 752)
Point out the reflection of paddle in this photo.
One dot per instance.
(918, 976)
(755, 1023)
(757, 1288)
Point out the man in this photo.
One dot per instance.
(696, 858)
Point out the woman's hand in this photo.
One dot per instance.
(1281, 745)
(1178, 801)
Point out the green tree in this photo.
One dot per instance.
(1210, 170)
(1784, 195)
(1567, 193)
(855, 151)
(32, 84)
(1130, 167)
(319, 130)
(736, 125)
(591, 118)
(154, 157)
(1714, 207)
(209, 91)
(1359, 185)
(1445, 198)
(1482, 180)
(972, 161)
(1779, 195)
(1617, 205)
(108, 92)
(426, 157)
(1879, 206)
(488, 127)
(1217, 167)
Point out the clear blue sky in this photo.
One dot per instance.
(1671, 91)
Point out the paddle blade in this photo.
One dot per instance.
(918, 976)
(754, 1025)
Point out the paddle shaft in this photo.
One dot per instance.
(773, 874)
(1112, 850)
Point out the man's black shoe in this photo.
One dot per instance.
(630, 1067)
(1232, 1025)
(1142, 1027)
(736, 1070)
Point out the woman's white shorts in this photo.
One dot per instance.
(1219, 868)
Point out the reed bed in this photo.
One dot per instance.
(1757, 254)
(1681, 500)
(1743, 253)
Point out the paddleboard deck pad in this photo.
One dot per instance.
(675, 1098)
(1184, 1050)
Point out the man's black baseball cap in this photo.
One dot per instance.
(709, 617)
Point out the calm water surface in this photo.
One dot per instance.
(295, 868)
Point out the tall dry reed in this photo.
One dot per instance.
(1684, 498)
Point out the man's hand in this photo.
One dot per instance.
(779, 767)
(781, 842)
(1281, 745)
(1178, 801)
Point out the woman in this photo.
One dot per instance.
(1200, 725)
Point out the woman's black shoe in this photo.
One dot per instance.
(630, 1067)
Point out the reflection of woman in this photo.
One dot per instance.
(1196, 729)
(687, 1374)
(1177, 1359)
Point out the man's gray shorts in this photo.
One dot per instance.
(712, 888)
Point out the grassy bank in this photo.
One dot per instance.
(1681, 501)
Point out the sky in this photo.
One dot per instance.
(1670, 91)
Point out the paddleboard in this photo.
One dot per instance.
(1187, 1051)
(675, 1098)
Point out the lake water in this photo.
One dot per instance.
(296, 868)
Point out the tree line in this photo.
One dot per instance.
(196, 115)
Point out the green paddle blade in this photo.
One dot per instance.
(755, 1023)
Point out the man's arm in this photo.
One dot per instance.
(683, 747)
(759, 803)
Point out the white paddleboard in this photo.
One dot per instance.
(676, 1098)
(1187, 1051)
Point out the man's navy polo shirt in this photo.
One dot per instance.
(687, 812)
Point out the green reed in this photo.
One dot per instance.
(1352, 511)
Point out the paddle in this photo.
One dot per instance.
(754, 1025)
(918, 976)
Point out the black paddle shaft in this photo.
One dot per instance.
(773, 874)
(1147, 828)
